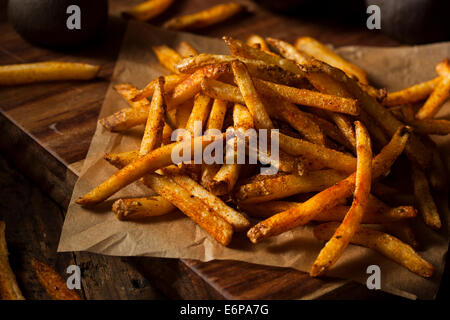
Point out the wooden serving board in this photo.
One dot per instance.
(47, 128)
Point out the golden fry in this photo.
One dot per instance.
(385, 244)
(206, 17)
(412, 94)
(334, 248)
(185, 49)
(148, 9)
(52, 282)
(141, 208)
(170, 82)
(15, 74)
(167, 57)
(9, 289)
(258, 42)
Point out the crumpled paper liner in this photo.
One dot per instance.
(175, 236)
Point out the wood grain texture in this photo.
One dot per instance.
(47, 128)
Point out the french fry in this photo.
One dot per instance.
(183, 113)
(167, 57)
(205, 18)
(412, 94)
(252, 100)
(185, 49)
(373, 215)
(16, 74)
(233, 217)
(403, 231)
(307, 97)
(325, 156)
(385, 244)
(258, 42)
(415, 150)
(148, 9)
(282, 185)
(155, 123)
(128, 92)
(330, 197)
(170, 82)
(256, 68)
(189, 87)
(141, 208)
(424, 199)
(334, 248)
(152, 161)
(125, 118)
(52, 282)
(193, 207)
(430, 126)
(122, 159)
(9, 289)
(321, 52)
(439, 95)
(199, 114)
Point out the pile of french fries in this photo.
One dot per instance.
(338, 137)
(150, 9)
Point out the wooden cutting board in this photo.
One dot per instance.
(47, 128)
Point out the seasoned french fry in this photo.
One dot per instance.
(9, 289)
(193, 207)
(148, 9)
(424, 199)
(256, 68)
(334, 248)
(183, 113)
(385, 244)
(282, 185)
(167, 57)
(126, 118)
(199, 114)
(15, 74)
(185, 49)
(206, 17)
(439, 95)
(252, 100)
(152, 161)
(325, 156)
(189, 87)
(128, 92)
(307, 97)
(170, 82)
(412, 94)
(52, 282)
(233, 217)
(330, 197)
(152, 138)
(321, 52)
(374, 214)
(141, 208)
(120, 160)
(258, 42)
(415, 149)
(430, 126)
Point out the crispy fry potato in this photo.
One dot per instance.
(185, 49)
(192, 84)
(148, 9)
(252, 100)
(170, 82)
(141, 208)
(412, 94)
(385, 244)
(375, 214)
(325, 156)
(330, 197)
(321, 52)
(52, 282)
(183, 113)
(205, 18)
(233, 217)
(9, 289)
(334, 248)
(431, 126)
(424, 199)
(415, 149)
(191, 206)
(15, 74)
(439, 95)
(152, 138)
(258, 42)
(122, 159)
(167, 57)
(282, 185)
(256, 68)
(152, 161)
(307, 97)
(200, 112)
(125, 118)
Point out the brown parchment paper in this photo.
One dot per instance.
(175, 236)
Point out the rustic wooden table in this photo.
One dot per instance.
(46, 132)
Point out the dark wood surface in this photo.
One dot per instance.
(46, 131)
